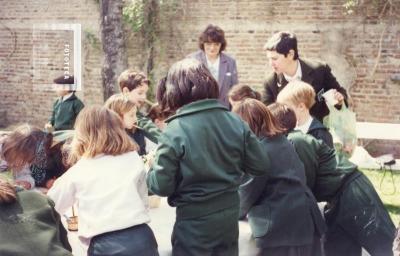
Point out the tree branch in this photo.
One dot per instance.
(379, 52)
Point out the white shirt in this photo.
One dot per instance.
(66, 97)
(297, 76)
(304, 127)
(213, 67)
(110, 191)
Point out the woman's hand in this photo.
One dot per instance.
(339, 97)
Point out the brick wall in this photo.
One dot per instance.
(30, 58)
(348, 43)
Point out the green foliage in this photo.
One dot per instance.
(350, 6)
(144, 18)
(382, 8)
(134, 14)
(92, 39)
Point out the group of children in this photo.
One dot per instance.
(269, 165)
(354, 214)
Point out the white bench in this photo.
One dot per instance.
(379, 131)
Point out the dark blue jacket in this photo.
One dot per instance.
(280, 208)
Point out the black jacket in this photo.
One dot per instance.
(317, 74)
(320, 132)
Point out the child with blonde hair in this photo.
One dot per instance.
(108, 182)
(127, 110)
(300, 96)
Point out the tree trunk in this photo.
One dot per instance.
(112, 35)
(150, 33)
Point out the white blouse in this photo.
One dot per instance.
(110, 193)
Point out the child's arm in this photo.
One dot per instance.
(256, 160)
(150, 146)
(150, 129)
(327, 175)
(78, 106)
(249, 192)
(24, 178)
(52, 117)
(142, 189)
(323, 135)
(161, 177)
(62, 233)
(63, 193)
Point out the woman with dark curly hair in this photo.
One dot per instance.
(212, 43)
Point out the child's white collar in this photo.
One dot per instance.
(65, 97)
(305, 126)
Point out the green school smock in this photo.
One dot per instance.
(320, 132)
(201, 157)
(151, 131)
(65, 112)
(319, 161)
(275, 202)
(356, 217)
(30, 226)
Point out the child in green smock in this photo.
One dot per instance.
(201, 157)
(274, 203)
(355, 215)
(300, 96)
